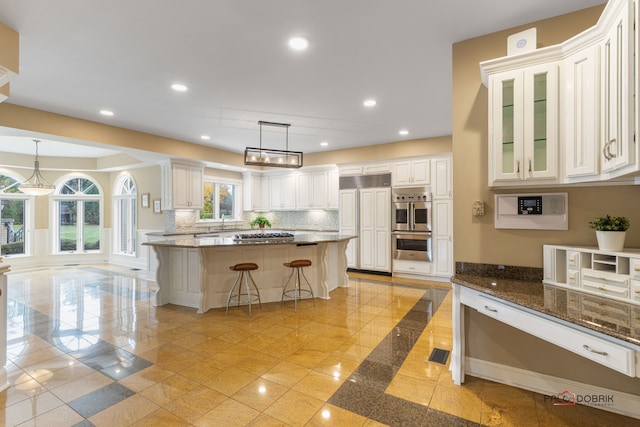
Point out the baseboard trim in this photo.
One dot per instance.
(621, 403)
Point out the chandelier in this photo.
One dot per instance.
(273, 158)
(36, 185)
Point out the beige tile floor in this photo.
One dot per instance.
(278, 367)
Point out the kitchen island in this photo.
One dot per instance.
(194, 271)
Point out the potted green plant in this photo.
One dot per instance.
(261, 221)
(610, 231)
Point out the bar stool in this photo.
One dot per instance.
(244, 273)
(296, 293)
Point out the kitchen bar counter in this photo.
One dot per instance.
(194, 271)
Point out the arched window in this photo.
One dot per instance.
(13, 217)
(125, 216)
(78, 216)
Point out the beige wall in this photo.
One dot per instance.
(475, 238)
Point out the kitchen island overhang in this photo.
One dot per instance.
(194, 272)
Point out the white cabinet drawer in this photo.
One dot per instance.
(634, 268)
(635, 290)
(573, 259)
(573, 277)
(605, 283)
(607, 353)
(411, 267)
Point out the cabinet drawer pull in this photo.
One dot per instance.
(637, 269)
(530, 165)
(637, 291)
(490, 309)
(601, 288)
(517, 166)
(602, 353)
(572, 259)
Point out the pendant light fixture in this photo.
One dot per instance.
(36, 185)
(273, 158)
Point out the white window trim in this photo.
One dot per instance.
(54, 220)
(29, 212)
(237, 200)
(115, 216)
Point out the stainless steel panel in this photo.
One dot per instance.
(365, 181)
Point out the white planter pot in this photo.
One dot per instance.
(610, 240)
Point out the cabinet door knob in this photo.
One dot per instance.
(602, 353)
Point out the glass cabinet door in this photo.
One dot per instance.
(505, 123)
(540, 122)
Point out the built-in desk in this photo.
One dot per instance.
(194, 272)
(602, 330)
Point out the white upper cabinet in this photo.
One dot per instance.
(617, 90)
(255, 191)
(312, 190)
(182, 185)
(523, 125)
(441, 183)
(333, 189)
(581, 130)
(411, 172)
(567, 113)
(282, 191)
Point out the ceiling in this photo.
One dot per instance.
(80, 57)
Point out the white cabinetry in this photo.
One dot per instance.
(375, 229)
(255, 192)
(312, 190)
(598, 110)
(614, 275)
(282, 190)
(333, 189)
(442, 240)
(618, 89)
(441, 181)
(348, 215)
(182, 185)
(581, 113)
(411, 172)
(523, 124)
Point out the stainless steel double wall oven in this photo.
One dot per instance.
(411, 216)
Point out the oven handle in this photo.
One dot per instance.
(412, 233)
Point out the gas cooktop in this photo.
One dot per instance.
(263, 236)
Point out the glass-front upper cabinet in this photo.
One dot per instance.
(523, 125)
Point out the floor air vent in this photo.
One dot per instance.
(439, 355)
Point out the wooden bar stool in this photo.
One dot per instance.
(297, 292)
(244, 273)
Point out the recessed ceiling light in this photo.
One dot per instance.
(403, 132)
(179, 87)
(106, 113)
(205, 137)
(324, 144)
(298, 43)
(369, 103)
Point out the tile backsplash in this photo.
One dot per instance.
(187, 221)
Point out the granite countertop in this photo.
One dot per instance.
(207, 242)
(231, 230)
(615, 318)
